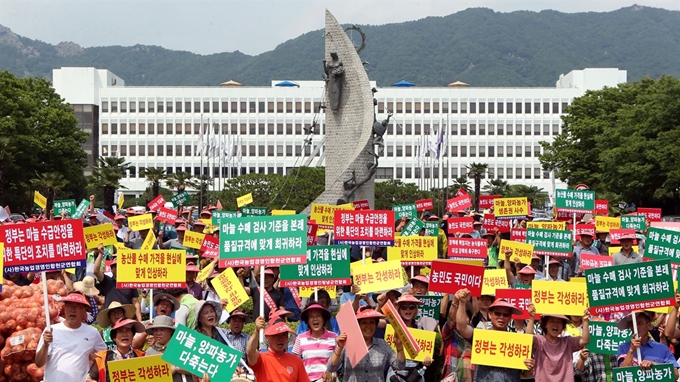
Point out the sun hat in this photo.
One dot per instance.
(432, 218)
(279, 313)
(504, 304)
(407, 298)
(77, 298)
(136, 326)
(181, 228)
(324, 312)
(86, 287)
(198, 222)
(199, 306)
(158, 297)
(627, 321)
(268, 271)
(206, 212)
(421, 278)
(103, 316)
(239, 313)
(367, 312)
(192, 268)
(161, 322)
(527, 270)
(553, 262)
(119, 217)
(278, 328)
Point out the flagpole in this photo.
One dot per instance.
(221, 153)
(200, 191)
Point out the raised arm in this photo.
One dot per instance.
(98, 263)
(585, 336)
(508, 268)
(253, 348)
(465, 330)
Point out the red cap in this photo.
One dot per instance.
(366, 312)
(119, 217)
(269, 272)
(137, 326)
(627, 236)
(527, 271)
(206, 212)
(433, 217)
(77, 298)
(278, 328)
(421, 278)
(274, 314)
(239, 313)
(212, 207)
(181, 228)
(504, 304)
(192, 268)
(198, 222)
(553, 261)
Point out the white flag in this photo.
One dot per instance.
(239, 155)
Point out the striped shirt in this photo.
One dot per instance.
(238, 341)
(315, 352)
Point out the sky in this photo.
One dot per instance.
(249, 26)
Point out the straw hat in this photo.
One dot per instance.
(103, 316)
(161, 322)
(86, 287)
(166, 297)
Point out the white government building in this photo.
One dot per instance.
(160, 126)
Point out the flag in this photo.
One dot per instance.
(219, 205)
(421, 154)
(229, 149)
(39, 200)
(440, 142)
(199, 148)
(238, 154)
(121, 200)
(432, 142)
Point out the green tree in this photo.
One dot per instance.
(303, 185)
(623, 141)
(496, 187)
(458, 183)
(535, 195)
(154, 175)
(476, 171)
(180, 181)
(394, 191)
(204, 194)
(49, 184)
(39, 135)
(107, 175)
(264, 188)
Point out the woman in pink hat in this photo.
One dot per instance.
(407, 306)
(380, 355)
(316, 345)
(553, 353)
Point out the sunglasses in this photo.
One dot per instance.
(503, 315)
(409, 307)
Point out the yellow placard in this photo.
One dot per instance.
(323, 214)
(379, 277)
(558, 226)
(424, 338)
(425, 271)
(605, 223)
(309, 291)
(140, 222)
(149, 241)
(506, 207)
(413, 249)
(244, 200)
(141, 369)
(120, 246)
(71, 271)
(148, 268)
(555, 297)
(581, 280)
(39, 200)
(99, 234)
(205, 272)
(121, 201)
(523, 251)
(494, 279)
(475, 262)
(358, 264)
(193, 239)
(613, 250)
(283, 212)
(228, 287)
(501, 349)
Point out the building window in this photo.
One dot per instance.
(527, 129)
(463, 107)
(187, 107)
(556, 129)
(508, 150)
(141, 150)
(518, 150)
(409, 107)
(251, 151)
(473, 151)
(168, 109)
(473, 129)
(105, 128)
(151, 150)
(279, 150)
(491, 151)
(500, 151)
(187, 150)
(473, 107)
(537, 129)
(454, 107)
(197, 107)
(133, 106)
(105, 106)
(537, 150)
(152, 129)
(463, 151)
(527, 151)
(491, 107)
(482, 107)
(482, 129)
(518, 173)
(114, 106)
(546, 107)
(454, 151)
(499, 107)
(499, 129)
(168, 128)
(123, 106)
(546, 129)
(384, 173)
(527, 108)
(289, 150)
(308, 107)
(564, 107)
(417, 107)
(454, 129)
(482, 151)
(133, 128)
(178, 107)
(114, 128)
(463, 129)
(492, 129)
(546, 174)
(168, 149)
(518, 129)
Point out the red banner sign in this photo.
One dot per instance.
(486, 201)
(449, 277)
(489, 222)
(460, 225)
(652, 214)
(210, 246)
(424, 205)
(602, 207)
(518, 234)
(520, 298)
(565, 216)
(361, 205)
(467, 248)
(43, 246)
(311, 232)
(157, 203)
(166, 215)
(595, 261)
(364, 227)
(503, 225)
(459, 203)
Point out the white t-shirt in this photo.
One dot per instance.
(68, 355)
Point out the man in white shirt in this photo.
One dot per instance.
(65, 350)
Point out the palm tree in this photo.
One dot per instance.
(476, 171)
(204, 182)
(459, 183)
(154, 175)
(180, 181)
(107, 175)
(535, 195)
(49, 183)
(497, 187)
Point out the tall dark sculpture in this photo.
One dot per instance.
(334, 75)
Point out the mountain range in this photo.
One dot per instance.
(478, 46)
